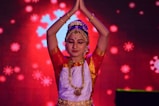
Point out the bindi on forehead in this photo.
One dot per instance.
(76, 39)
(76, 36)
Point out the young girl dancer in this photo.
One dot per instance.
(76, 74)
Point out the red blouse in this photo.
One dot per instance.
(94, 61)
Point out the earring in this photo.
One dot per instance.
(87, 51)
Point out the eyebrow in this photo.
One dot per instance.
(77, 39)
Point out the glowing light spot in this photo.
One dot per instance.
(12, 21)
(2, 78)
(8, 70)
(35, 1)
(94, 30)
(149, 88)
(78, 13)
(132, 5)
(125, 69)
(141, 12)
(20, 77)
(1, 30)
(17, 69)
(114, 50)
(34, 18)
(127, 88)
(128, 46)
(35, 65)
(46, 81)
(99, 72)
(113, 28)
(48, 62)
(15, 47)
(37, 75)
(154, 64)
(29, 8)
(109, 92)
(38, 46)
(157, 3)
(53, 1)
(126, 77)
(50, 103)
(62, 5)
(117, 11)
(27, 1)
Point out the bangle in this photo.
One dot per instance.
(61, 20)
(91, 17)
(68, 15)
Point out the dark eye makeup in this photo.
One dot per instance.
(79, 41)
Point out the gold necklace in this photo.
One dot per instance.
(77, 90)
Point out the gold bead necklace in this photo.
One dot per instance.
(77, 90)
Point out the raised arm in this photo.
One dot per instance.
(52, 31)
(102, 30)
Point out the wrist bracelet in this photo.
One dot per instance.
(61, 20)
(91, 17)
(68, 15)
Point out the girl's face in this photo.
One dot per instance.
(76, 45)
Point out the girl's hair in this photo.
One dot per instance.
(77, 25)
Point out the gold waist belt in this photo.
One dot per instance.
(62, 102)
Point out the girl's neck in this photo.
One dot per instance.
(76, 60)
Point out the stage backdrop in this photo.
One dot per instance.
(131, 61)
